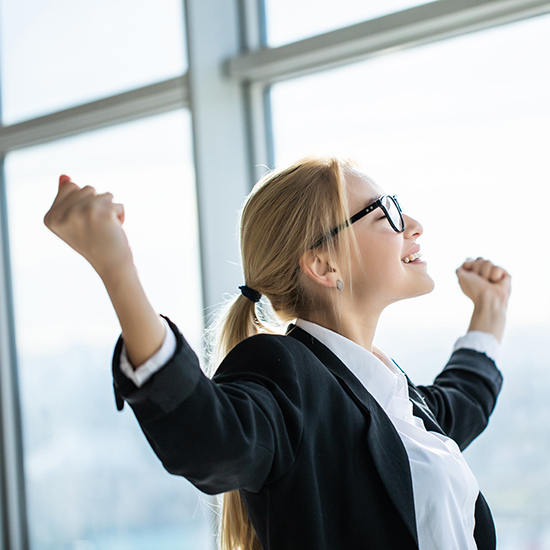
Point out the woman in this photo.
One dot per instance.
(317, 438)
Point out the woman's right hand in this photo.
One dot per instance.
(92, 225)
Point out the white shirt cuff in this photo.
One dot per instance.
(483, 342)
(141, 374)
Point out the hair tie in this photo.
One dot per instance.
(250, 293)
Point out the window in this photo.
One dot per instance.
(59, 53)
(291, 20)
(458, 129)
(92, 480)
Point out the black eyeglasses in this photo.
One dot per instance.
(390, 207)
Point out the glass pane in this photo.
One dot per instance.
(459, 131)
(291, 20)
(59, 53)
(92, 481)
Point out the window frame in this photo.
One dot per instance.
(232, 72)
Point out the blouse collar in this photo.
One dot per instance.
(377, 373)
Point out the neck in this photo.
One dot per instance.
(357, 328)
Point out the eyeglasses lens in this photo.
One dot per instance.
(393, 212)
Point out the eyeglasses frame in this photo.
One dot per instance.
(362, 213)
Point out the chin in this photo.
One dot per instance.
(428, 286)
(422, 288)
(419, 290)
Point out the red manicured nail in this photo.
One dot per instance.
(63, 179)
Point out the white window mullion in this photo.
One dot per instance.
(225, 114)
(14, 522)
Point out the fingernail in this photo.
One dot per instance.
(63, 179)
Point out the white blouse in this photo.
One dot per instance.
(445, 489)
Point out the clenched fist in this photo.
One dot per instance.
(488, 286)
(91, 224)
(481, 279)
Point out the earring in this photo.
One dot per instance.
(339, 285)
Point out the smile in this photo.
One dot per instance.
(412, 257)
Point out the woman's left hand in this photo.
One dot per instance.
(488, 286)
(482, 280)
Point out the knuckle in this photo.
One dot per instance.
(93, 208)
(52, 219)
(87, 190)
(107, 195)
(98, 209)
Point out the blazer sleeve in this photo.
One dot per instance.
(239, 430)
(464, 395)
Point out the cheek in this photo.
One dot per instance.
(378, 262)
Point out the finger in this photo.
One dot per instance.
(497, 274)
(108, 196)
(478, 262)
(485, 269)
(66, 182)
(106, 202)
(474, 268)
(66, 187)
(68, 195)
(87, 200)
(88, 190)
(63, 179)
(119, 209)
(477, 265)
(468, 263)
(466, 274)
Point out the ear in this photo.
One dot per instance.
(319, 269)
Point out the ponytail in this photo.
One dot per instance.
(240, 321)
(237, 532)
(284, 216)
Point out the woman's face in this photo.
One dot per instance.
(379, 273)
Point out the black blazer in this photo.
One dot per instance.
(318, 462)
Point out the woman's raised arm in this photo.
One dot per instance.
(91, 224)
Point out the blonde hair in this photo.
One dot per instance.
(286, 213)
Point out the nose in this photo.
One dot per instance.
(413, 228)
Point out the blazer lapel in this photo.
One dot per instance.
(386, 446)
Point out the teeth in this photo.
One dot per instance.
(412, 257)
